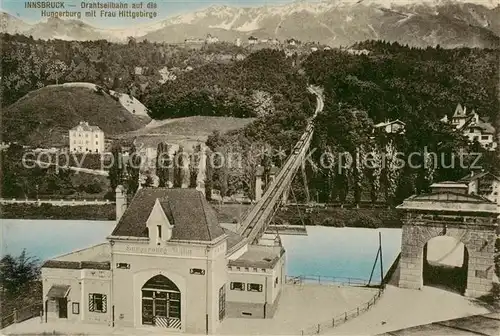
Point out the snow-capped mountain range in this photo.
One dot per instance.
(450, 23)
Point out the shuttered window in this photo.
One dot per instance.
(97, 303)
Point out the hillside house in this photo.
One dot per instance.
(358, 52)
(252, 40)
(473, 126)
(139, 70)
(84, 138)
(292, 42)
(238, 42)
(194, 41)
(211, 39)
(483, 184)
(168, 265)
(391, 127)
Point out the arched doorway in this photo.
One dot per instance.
(161, 303)
(445, 264)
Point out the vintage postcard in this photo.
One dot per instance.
(250, 167)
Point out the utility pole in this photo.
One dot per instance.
(381, 259)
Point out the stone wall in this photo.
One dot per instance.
(478, 239)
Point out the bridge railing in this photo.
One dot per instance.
(327, 280)
(348, 315)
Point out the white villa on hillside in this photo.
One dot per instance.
(483, 184)
(84, 138)
(169, 266)
(473, 126)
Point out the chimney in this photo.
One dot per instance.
(121, 202)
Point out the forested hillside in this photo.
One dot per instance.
(417, 86)
(264, 82)
(29, 64)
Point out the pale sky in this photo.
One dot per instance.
(166, 8)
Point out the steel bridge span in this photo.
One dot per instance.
(256, 221)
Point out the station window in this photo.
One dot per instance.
(76, 308)
(237, 286)
(252, 287)
(276, 282)
(197, 271)
(255, 269)
(222, 302)
(97, 303)
(123, 265)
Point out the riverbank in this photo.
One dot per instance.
(341, 217)
(230, 213)
(48, 211)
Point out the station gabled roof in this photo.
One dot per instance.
(193, 219)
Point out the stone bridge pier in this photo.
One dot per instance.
(469, 219)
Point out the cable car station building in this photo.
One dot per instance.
(167, 264)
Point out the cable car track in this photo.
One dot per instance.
(255, 216)
(254, 221)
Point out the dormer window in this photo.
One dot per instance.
(159, 227)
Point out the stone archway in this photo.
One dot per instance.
(161, 303)
(479, 244)
(445, 264)
(470, 219)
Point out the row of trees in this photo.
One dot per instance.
(174, 170)
(179, 169)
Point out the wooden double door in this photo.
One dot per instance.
(157, 304)
(161, 303)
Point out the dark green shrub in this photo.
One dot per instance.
(363, 220)
(332, 221)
